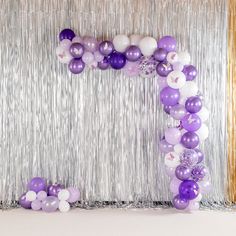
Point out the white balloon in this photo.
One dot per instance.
(172, 57)
(64, 206)
(31, 196)
(193, 206)
(135, 39)
(203, 114)
(172, 159)
(77, 39)
(179, 148)
(88, 58)
(147, 46)
(63, 55)
(63, 195)
(203, 132)
(65, 43)
(189, 89)
(176, 79)
(184, 57)
(121, 42)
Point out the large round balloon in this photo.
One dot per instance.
(37, 184)
(117, 60)
(190, 140)
(76, 66)
(121, 42)
(169, 96)
(188, 189)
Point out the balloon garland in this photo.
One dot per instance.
(147, 57)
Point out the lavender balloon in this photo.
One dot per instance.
(23, 202)
(193, 104)
(160, 54)
(66, 34)
(37, 184)
(54, 189)
(90, 43)
(165, 146)
(76, 66)
(199, 154)
(178, 111)
(189, 157)
(205, 186)
(183, 172)
(174, 185)
(162, 82)
(50, 204)
(199, 172)
(188, 189)
(164, 68)
(167, 108)
(180, 203)
(74, 195)
(133, 53)
(169, 96)
(106, 48)
(76, 50)
(168, 43)
(190, 140)
(36, 205)
(190, 72)
(117, 60)
(173, 135)
(191, 122)
(104, 64)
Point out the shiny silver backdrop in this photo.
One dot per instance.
(100, 130)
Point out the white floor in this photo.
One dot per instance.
(114, 222)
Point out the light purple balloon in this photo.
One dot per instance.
(200, 155)
(180, 203)
(162, 82)
(104, 64)
(131, 69)
(23, 202)
(41, 195)
(169, 96)
(191, 122)
(167, 109)
(76, 50)
(168, 43)
(170, 171)
(190, 72)
(190, 140)
(74, 194)
(36, 205)
(178, 111)
(183, 172)
(106, 48)
(164, 68)
(205, 186)
(165, 146)
(50, 204)
(160, 54)
(54, 189)
(193, 104)
(173, 135)
(37, 184)
(133, 53)
(90, 43)
(98, 56)
(76, 66)
(174, 185)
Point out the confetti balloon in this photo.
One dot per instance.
(147, 67)
(90, 43)
(148, 45)
(121, 42)
(199, 172)
(191, 122)
(190, 140)
(117, 60)
(189, 157)
(168, 43)
(66, 34)
(188, 189)
(50, 204)
(169, 96)
(180, 203)
(37, 184)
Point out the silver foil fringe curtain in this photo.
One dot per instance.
(100, 130)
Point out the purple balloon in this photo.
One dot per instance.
(168, 43)
(169, 96)
(189, 157)
(193, 104)
(66, 34)
(182, 172)
(190, 72)
(50, 204)
(36, 205)
(165, 146)
(191, 122)
(23, 202)
(54, 189)
(76, 65)
(167, 109)
(37, 184)
(74, 195)
(190, 140)
(106, 48)
(160, 54)
(162, 82)
(90, 43)
(180, 203)
(117, 60)
(76, 50)
(104, 64)
(200, 155)
(199, 172)
(178, 111)
(133, 53)
(163, 68)
(188, 189)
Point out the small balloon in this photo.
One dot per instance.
(106, 48)
(193, 104)
(203, 114)
(170, 171)
(104, 64)
(162, 82)
(164, 68)
(180, 203)
(193, 206)
(98, 57)
(189, 89)
(41, 195)
(199, 154)
(172, 57)
(54, 189)
(77, 39)
(76, 50)
(205, 186)
(167, 108)
(160, 54)
(183, 172)
(178, 66)
(173, 135)
(64, 206)
(133, 53)
(66, 34)
(135, 39)
(74, 194)
(178, 111)
(117, 60)
(179, 148)
(199, 172)
(131, 69)
(76, 66)
(203, 132)
(174, 185)
(88, 58)
(184, 58)
(23, 202)
(63, 195)
(190, 72)
(36, 205)
(31, 196)
(63, 55)
(190, 140)
(165, 146)
(168, 43)
(147, 67)
(189, 157)
(65, 44)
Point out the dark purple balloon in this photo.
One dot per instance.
(190, 72)
(76, 66)
(199, 154)
(169, 96)
(117, 60)
(66, 34)
(54, 189)
(163, 68)
(182, 172)
(168, 43)
(104, 64)
(190, 140)
(188, 189)
(133, 53)
(193, 104)
(199, 172)
(23, 202)
(180, 203)
(37, 184)
(106, 48)
(167, 108)
(191, 122)
(76, 50)
(160, 54)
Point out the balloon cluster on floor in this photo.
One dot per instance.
(147, 57)
(48, 198)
